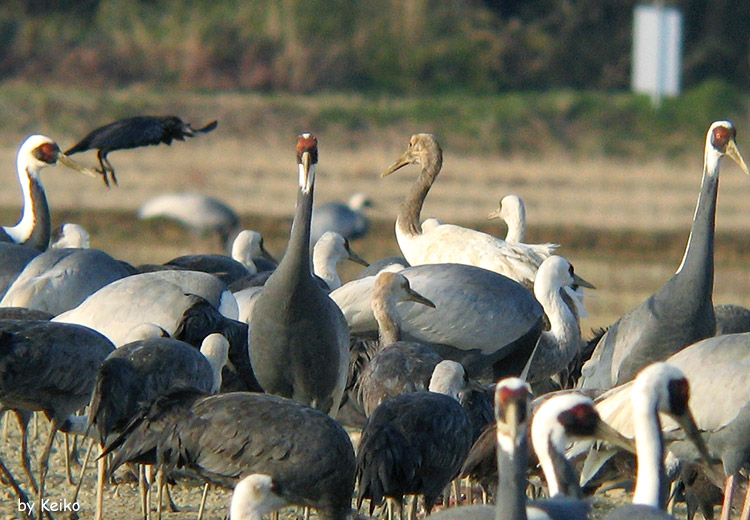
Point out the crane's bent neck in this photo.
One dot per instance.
(34, 228)
(325, 264)
(516, 226)
(407, 222)
(564, 336)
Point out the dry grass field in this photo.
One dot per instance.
(623, 224)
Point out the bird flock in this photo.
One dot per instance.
(452, 382)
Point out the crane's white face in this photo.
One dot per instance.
(37, 152)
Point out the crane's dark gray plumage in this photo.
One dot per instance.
(225, 437)
(49, 367)
(299, 340)
(681, 312)
(731, 319)
(397, 367)
(34, 228)
(348, 220)
(134, 132)
(414, 444)
(13, 260)
(512, 413)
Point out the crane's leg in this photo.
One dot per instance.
(23, 421)
(68, 470)
(746, 506)
(159, 491)
(44, 462)
(22, 498)
(83, 470)
(726, 507)
(203, 502)
(172, 504)
(101, 472)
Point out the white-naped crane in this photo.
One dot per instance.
(134, 132)
(717, 369)
(299, 339)
(681, 312)
(34, 228)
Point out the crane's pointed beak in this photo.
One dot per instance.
(268, 256)
(416, 297)
(608, 434)
(734, 154)
(400, 163)
(494, 215)
(354, 257)
(687, 423)
(306, 172)
(208, 128)
(581, 282)
(70, 163)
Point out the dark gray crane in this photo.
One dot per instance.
(136, 374)
(134, 132)
(681, 312)
(397, 367)
(49, 367)
(34, 228)
(13, 260)
(299, 339)
(415, 443)
(512, 414)
(225, 437)
(348, 220)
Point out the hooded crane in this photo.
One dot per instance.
(480, 317)
(681, 312)
(134, 132)
(49, 367)
(254, 496)
(348, 220)
(512, 211)
(299, 339)
(200, 213)
(414, 444)
(34, 228)
(225, 437)
(441, 243)
(397, 367)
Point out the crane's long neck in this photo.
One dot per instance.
(296, 262)
(698, 260)
(650, 476)
(384, 310)
(512, 463)
(34, 228)
(408, 215)
(563, 338)
(558, 471)
(325, 264)
(516, 226)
